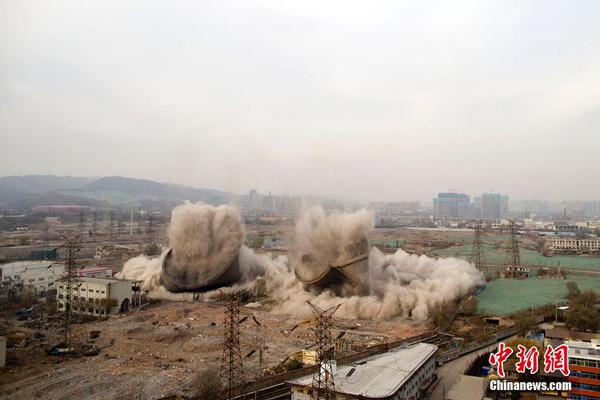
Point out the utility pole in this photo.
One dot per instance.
(323, 383)
(130, 224)
(139, 221)
(150, 229)
(515, 256)
(111, 226)
(477, 256)
(45, 234)
(81, 225)
(94, 224)
(231, 374)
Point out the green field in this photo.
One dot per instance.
(504, 296)
(498, 255)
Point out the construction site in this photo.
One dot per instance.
(211, 312)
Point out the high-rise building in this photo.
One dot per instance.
(491, 206)
(253, 206)
(584, 363)
(268, 202)
(452, 205)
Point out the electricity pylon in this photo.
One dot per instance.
(323, 383)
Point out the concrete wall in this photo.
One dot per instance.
(120, 290)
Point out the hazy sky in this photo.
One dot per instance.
(390, 101)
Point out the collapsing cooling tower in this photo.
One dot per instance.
(346, 276)
(331, 251)
(205, 244)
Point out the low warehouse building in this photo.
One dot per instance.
(404, 373)
(100, 296)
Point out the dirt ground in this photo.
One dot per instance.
(157, 351)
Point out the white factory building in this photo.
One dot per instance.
(39, 280)
(573, 245)
(404, 373)
(13, 270)
(40, 277)
(100, 296)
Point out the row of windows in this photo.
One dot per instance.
(98, 311)
(588, 375)
(581, 397)
(584, 362)
(415, 381)
(585, 386)
(31, 280)
(91, 290)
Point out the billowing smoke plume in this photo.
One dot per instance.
(205, 243)
(331, 250)
(398, 285)
(323, 239)
(148, 270)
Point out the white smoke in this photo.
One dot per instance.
(400, 284)
(323, 239)
(205, 241)
(148, 270)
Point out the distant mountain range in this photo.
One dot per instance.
(20, 193)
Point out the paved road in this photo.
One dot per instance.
(449, 372)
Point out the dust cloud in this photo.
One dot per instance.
(205, 241)
(323, 239)
(399, 284)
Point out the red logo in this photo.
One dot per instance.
(557, 358)
(527, 359)
(498, 359)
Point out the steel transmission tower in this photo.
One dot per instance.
(477, 255)
(70, 280)
(515, 255)
(323, 384)
(232, 370)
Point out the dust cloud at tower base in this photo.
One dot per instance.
(329, 264)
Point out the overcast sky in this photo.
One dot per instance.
(389, 101)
